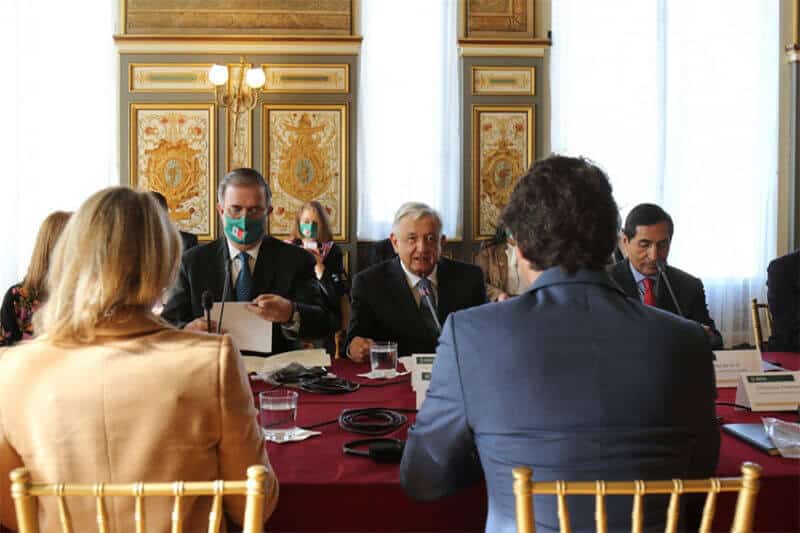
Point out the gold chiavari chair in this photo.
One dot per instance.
(755, 313)
(747, 486)
(254, 489)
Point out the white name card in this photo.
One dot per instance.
(730, 363)
(775, 391)
(421, 376)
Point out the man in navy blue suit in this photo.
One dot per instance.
(572, 378)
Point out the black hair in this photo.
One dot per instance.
(646, 215)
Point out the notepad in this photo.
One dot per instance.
(752, 434)
(249, 331)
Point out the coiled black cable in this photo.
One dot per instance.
(372, 420)
(328, 385)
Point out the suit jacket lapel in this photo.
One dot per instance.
(222, 275)
(445, 290)
(401, 293)
(626, 281)
(264, 270)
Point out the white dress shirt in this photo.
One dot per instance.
(413, 280)
(236, 265)
(513, 283)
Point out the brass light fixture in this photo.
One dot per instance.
(241, 95)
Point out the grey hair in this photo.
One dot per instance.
(243, 177)
(416, 210)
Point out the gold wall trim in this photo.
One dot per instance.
(510, 76)
(494, 48)
(237, 38)
(274, 86)
(261, 46)
(168, 67)
(233, 9)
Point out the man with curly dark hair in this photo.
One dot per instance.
(572, 378)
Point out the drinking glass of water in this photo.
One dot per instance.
(383, 358)
(277, 414)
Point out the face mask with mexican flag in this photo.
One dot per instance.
(244, 230)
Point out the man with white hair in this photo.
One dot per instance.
(405, 299)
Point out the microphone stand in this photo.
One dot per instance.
(208, 303)
(663, 272)
(224, 295)
(426, 297)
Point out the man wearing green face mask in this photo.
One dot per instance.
(276, 279)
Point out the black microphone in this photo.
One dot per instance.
(425, 294)
(662, 269)
(224, 295)
(208, 302)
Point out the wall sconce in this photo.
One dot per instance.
(240, 96)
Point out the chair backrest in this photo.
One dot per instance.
(747, 486)
(254, 489)
(755, 313)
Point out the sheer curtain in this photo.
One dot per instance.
(678, 101)
(409, 141)
(58, 132)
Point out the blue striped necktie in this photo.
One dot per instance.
(244, 281)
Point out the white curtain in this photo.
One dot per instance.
(409, 140)
(678, 101)
(58, 128)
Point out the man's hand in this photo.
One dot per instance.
(200, 324)
(319, 265)
(359, 349)
(272, 307)
(708, 330)
(502, 297)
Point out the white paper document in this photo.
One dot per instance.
(250, 332)
(307, 358)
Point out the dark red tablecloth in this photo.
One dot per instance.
(324, 490)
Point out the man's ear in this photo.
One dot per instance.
(220, 210)
(393, 240)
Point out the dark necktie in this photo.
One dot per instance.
(425, 288)
(244, 281)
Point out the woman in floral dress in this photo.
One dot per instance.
(22, 299)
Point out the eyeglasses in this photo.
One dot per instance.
(236, 211)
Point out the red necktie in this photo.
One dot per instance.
(649, 295)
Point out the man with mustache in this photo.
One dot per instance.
(387, 302)
(647, 236)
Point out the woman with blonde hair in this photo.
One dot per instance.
(22, 300)
(312, 231)
(108, 393)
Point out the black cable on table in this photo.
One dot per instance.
(329, 385)
(373, 420)
(731, 404)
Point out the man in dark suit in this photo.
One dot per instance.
(783, 297)
(276, 278)
(571, 378)
(386, 298)
(188, 240)
(646, 238)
